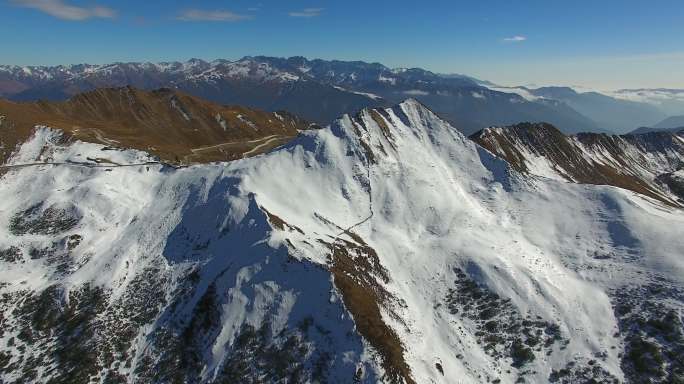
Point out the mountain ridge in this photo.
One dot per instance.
(643, 130)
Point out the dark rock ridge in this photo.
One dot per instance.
(639, 163)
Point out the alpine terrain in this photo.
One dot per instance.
(154, 237)
(322, 90)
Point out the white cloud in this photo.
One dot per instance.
(200, 15)
(307, 12)
(64, 11)
(515, 39)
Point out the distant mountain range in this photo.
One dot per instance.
(645, 130)
(614, 112)
(671, 122)
(674, 124)
(609, 113)
(321, 91)
(670, 101)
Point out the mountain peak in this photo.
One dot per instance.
(413, 103)
(534, 135)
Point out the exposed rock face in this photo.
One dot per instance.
(639, 163)
(170, 124)
(387, 247)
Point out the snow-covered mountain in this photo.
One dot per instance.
(247, 82)
(261, 68)
(318, 90)
(387, 247)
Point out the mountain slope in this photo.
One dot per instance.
(168, 123)
(633, 162)
(386, 247)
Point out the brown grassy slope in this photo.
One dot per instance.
(547, 141)
(175, 126)
(357, 271)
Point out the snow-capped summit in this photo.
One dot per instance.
(245, 69)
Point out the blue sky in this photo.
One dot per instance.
(599, 43)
